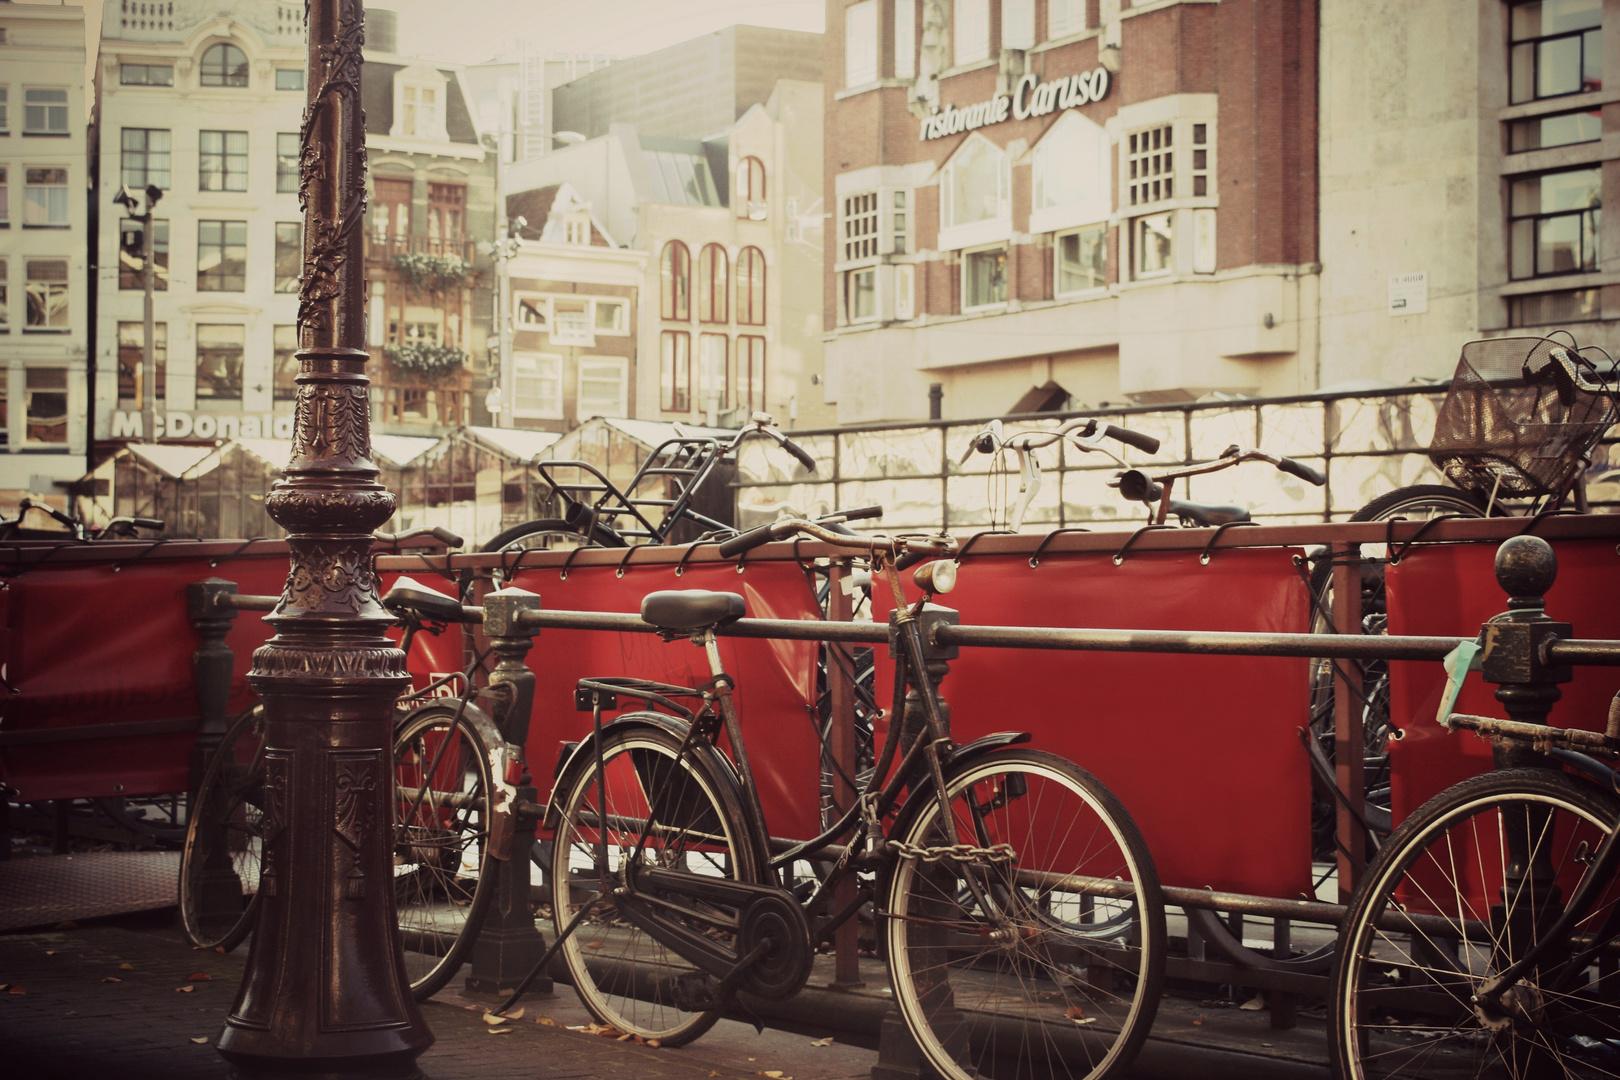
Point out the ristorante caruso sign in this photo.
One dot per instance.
(1029, 98)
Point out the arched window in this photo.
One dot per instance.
(712, 268)
(224, 65)
(749, 195)
(676, 275)
(751, 287)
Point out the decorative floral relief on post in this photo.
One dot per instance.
(356, 782)
(280, 661)
(272, 817)
(323, 577)
(332, 421)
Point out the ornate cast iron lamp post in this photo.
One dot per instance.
(325, 989)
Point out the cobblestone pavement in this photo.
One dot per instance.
(126, 1001)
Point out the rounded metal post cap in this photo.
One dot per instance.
(1526, 568)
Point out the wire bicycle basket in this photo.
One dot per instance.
(1521, 417)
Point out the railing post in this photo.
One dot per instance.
(841, 731)
(509, 943)
(211, 666)
(325, 991)
(1349, 738)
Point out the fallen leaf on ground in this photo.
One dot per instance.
(220, 949)
(772, 1074)
(188, 988)
(492, 1020)
(623, 1037)
(713, 1073)
(545, 1021)
(500, 1031)
(1074, 1012)
(654, 1043)
(112, 978)
(201, 948)
(51, 952)
(199, 976)
(1200, 1021)
(126, 966)
(823, 1042)
(15, 990)
(199, 1040)
(594, 945)
(1254, 1004)
(515, 1014)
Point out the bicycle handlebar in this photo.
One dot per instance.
(1142, 441)
(442, 535)
(1301, 470)
(781, 530)
(804, 456)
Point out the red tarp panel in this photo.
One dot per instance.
(1450, 590)
(1202, 750)
(775, 679)
(85, 645)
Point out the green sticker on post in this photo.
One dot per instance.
(1458, 663)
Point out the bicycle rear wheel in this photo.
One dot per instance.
(624, 977)
(444, 870)
(1049, 963)
(1438, 914)
(224, 848)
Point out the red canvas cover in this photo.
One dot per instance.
(1202, 750)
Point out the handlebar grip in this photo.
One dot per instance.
(912, 558)
(146, 523)
(446, 537)
(799, 452)
(1301, 470)
(747, 541)
(1145, 443)
(861, 513)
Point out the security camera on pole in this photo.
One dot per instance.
(129, 200)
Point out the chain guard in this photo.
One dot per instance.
(785, 966)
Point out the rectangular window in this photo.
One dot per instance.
(284, 343)
(675, 371)
(714, 370)
(45, 112)
(601, 386)
(447, 217)
(145, 157)
(287, 161)
(905, 284)
(5, 113)
(1560, 129)
(972, 31)
(1553, 223)
(219, 360)
(45, 198)
(5, 199)
(420, 115)
(751, 371)
(5, 309)
(897, 222)
(222, 161)
(860, 43)
(610, 317)
(130, 255)
(1153, 238)
(1555, 308)
(1082, 260)
(537, 385)
(289, 78)
(571, 322)
(860, 294)
(1150, 165)
(984, 278)
(47, 296)
(1200, 160)
(221, 256)
(45, 403)
(860, 226)
(905, 39)
(132, 360)
(289, 256)
(391, 215)
(146, 75)
(1065, 17)
(1017, 24)
(1556, 48)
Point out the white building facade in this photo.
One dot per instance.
(44, 317)
(203, 99)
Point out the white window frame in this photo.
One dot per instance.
(1064, 17)
(66, 390)
(1017, 24)
(994, 305)
(970, 32)
(562, 333)
(538, 362)
(905, 39)
(1049, 154)
(622, 366)
(420, 77)
(1138, 228)
(1057, 262)
(905, 292)
(621, 325)
(954, 237)
(860, 44)
(539, 303)
(50, 107)
(5, 112)
(849, 294)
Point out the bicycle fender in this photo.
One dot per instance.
(585, 752)
(985, 744)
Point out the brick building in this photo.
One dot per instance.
(1047, 203)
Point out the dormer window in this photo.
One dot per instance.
(419, 100)
(224, 65)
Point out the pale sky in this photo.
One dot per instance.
(476, 30)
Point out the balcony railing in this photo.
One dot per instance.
(383, 248)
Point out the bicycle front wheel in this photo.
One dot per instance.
(1042, 957)
(1442, 910)
(444, 870)
(224, 850)
(666, 810)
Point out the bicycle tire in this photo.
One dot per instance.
(444, 869)
(625, 978)
(1083, 968)
(1419, 502)
(220, 863)
(1404, 990)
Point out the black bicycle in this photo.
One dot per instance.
(1018, 907)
